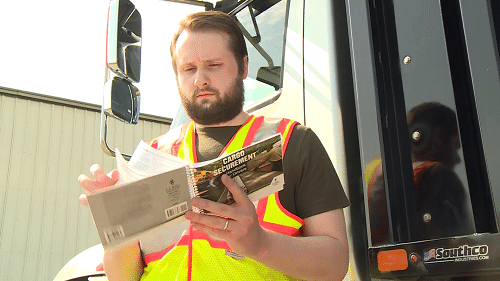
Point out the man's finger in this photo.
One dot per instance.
(114, 175)
(212, 221)
(98, 173)
(103, 179)
(219, 209)
(100, 179)
(238, 193)
(89, 184)
(83, 200)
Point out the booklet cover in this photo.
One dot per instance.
(149, 197)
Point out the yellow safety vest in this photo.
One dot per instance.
(196, 256)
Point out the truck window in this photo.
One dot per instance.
(268, 32)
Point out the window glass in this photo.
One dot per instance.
(266, 51)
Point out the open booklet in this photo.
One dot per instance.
(155, 188)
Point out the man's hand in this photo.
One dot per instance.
(323, 245)
(124, 262)
(99, 180)
(237, 224)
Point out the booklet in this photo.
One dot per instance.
(155, 188)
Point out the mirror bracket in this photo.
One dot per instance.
(103, 133)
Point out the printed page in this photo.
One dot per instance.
(145, 162)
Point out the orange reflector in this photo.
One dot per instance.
(393, 260)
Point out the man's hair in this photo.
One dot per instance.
(434, 114)
(437, 125)
(213, 21)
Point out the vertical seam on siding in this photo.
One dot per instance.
(32, 185)
(44, 201)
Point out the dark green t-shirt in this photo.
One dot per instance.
(311, 184)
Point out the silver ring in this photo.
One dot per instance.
(227, 224)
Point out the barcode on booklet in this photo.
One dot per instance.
(176, 210)
(114, 233)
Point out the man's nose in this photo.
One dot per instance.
(201, 79)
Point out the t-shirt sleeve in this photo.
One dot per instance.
(317, 188)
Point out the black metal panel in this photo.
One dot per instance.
(421, 56)
(432, 69)
(397, 170)
(363, 76)
(481, 31)
(417, 51)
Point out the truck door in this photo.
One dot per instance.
(427, 88)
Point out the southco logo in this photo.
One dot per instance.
(462, 253)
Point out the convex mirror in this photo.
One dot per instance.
(121, 100)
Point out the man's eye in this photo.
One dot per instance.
(215, 64)
(189, 69)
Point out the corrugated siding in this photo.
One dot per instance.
(44, 147)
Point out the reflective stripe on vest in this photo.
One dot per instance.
(184, 150)
(420, 169)
(188, 252)
(274, 217)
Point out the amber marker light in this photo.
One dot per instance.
(392, 260)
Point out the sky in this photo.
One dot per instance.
(58, 48)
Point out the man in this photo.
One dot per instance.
(299, 232)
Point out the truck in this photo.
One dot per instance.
(352, 70)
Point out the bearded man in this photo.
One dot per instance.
(297, 233)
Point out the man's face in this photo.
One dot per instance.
(445, 148)
(210, 87)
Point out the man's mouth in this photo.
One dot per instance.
(205, 94)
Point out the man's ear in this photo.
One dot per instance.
(245, 68)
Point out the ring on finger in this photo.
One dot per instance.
(226, 225)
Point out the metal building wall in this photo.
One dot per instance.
(45, 144)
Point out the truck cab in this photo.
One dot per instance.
(364, 75)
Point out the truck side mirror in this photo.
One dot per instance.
(123, 54)
(121, 100)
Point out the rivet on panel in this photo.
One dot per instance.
(427, 217)
(407, 60)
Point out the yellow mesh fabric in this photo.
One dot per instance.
(208, 264)
(274, 214)
(239, 138)
(185, 151)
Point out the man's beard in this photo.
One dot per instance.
(221, 110)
